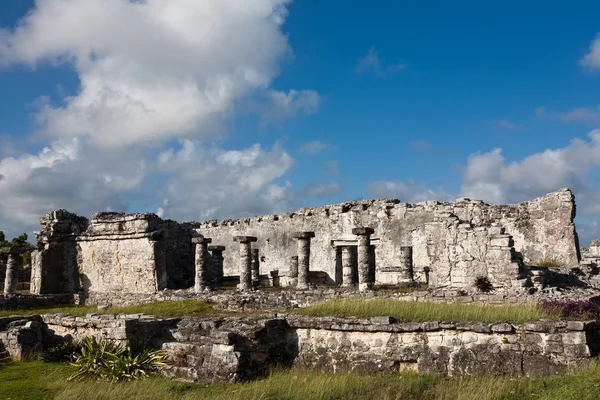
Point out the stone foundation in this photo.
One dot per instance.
(211, 350)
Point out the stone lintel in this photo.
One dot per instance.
(303, 235)
(352, 242)
(201, 240)
(363, 231)
(245, 239)
(216, 248)
(12, 250)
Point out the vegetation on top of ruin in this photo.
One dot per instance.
(427, 311)
(20, 242)
(39, 381)
(160, 309)
(548, 263)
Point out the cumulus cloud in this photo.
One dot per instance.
(151, 73)
(371, 62)
(156, 69)
(409, 191)
(489, 177)
(67, 174)
(215, 183)
(322, 190)
(592, 58)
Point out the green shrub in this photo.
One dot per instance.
(62, 352)
(483, 284)
(108, 360)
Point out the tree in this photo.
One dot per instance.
(19, 241)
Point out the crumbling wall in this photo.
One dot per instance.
(539, 229)
(132, 253)
(54, 266)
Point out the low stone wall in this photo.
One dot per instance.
(272, 299)
(18, 302)
(213, 350)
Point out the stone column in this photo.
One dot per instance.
(10, 281)
(217, 264)
(245, 261)
(202, 263)
(365, 275)
(255, 267)
(406, 262)
(294, 267)
(347, 270)
(303, 257)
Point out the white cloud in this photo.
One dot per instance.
(67, 174)
(156, 69)
(588, 115)
(371, 62)
(322, 190)
(592, 58)
(313, 147)
(489, 177)
(151, 72)
(214, 183)
(278, 105)
(409, 191)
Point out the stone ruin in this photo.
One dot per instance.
(329, 252)
(358, 244)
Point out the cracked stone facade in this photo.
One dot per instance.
(224, 350)
(454, 242)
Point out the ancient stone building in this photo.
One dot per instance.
(444, 244)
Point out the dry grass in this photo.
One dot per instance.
(158, 309)
(424, 311)
(36, 380)
(548, 263)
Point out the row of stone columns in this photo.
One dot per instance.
(249, 266)
(209, 267)
(11, 279)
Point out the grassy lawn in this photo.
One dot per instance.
(159, 309)
(423, 311)
(38, 380)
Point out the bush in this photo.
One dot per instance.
(483, 284)
(571, 309)
(111, 361)
(61, 353)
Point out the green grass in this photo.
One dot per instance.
(424, 311)
(158, 309)
(37, 380)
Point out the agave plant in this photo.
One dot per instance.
(108, 360)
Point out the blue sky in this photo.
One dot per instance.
(222, 109)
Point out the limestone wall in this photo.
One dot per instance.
(141, 253)
(213, 350)
(114, 252)
(455, 240)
